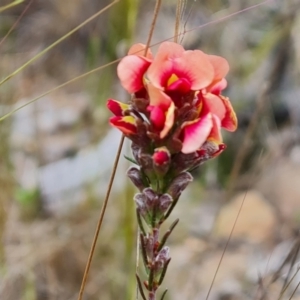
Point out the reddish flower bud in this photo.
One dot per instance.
(222, 147)
(116, 107)
(210, 150)
(161, 156)
(161, 161)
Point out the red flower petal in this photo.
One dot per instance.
(168, 50)
(195, 133)
(218, 87)
(214, 104)
(195, 67)
(116, 107)
(182, 85)
(157, 117)
(215, 133)
(169, 120)
(139, 49)
(125, 124)
(191, 65)
(131, 70)
(220, 65)
(162, 108)
(230, 121)
(161, 67)
(222, 147)
(158, 97)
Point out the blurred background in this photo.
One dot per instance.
(56, 154)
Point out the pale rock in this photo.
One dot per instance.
(196, 245)
(23, 125)
(55, 147)
(46, 115)
(295, 154)
(256, 222)
(267, 263)
(280, 183)
(63, 182)
(233, 268)
(70, 111)
(195, 277)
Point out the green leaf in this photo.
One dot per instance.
(131, 160)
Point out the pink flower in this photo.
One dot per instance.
(219, 104)
(173, 68)
(206, 127)
(180, 91)
(215, 111)
(132, 68)
(123, 122)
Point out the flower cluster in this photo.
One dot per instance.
(174, 121)
(176, 100)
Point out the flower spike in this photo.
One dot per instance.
(174, 121)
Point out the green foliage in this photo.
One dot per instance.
(30, 289)
(29, 201)
(122, 24)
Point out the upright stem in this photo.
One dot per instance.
(152, 296)
(150, 209)
(151, 280)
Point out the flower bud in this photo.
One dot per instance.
(140, 201)
(182, 162)
(179, 184)
(136, 150)
(146, 163)
(151, 197)
(164, 202)
(135, 176)
(161, 160)
(209, 150)
(161, 259)
(161, 156)
(174, 144)
(149, 246)
(146, 202)
(116, 107)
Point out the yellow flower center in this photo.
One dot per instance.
(172, 79)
